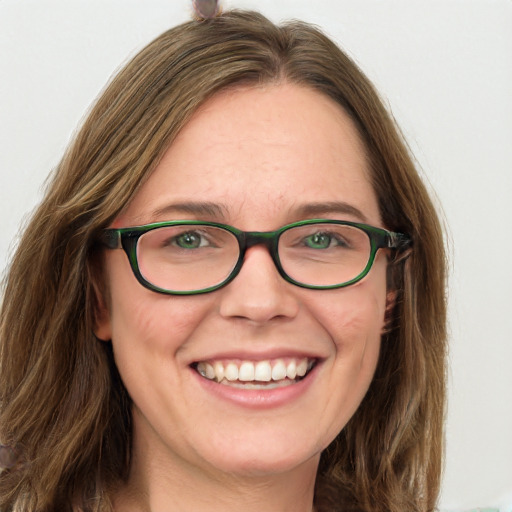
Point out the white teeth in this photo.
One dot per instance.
(231, 372)
(291, 370)
(209, 371)
(263, 371)
(278, 370)
(246, 372)
(302, 368)
(219, 371)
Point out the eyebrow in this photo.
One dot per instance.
(210, 209)
(198, 209)
(332, 207)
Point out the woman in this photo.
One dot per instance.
(236, 292)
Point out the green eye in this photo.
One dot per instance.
(189, 240)
(318, 241)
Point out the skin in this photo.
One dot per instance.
(263, 154)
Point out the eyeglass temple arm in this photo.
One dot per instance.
(110, 238)
(398, 241)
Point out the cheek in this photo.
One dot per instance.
(151, 324)
(145, 320)
(357, 314)
(353, 319)
(357, 342)
(354, 322)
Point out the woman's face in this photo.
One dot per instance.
(257, 159)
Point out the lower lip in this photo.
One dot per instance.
(259, 398)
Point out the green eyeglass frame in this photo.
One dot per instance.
(127, 239)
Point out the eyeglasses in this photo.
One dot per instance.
(188, 257)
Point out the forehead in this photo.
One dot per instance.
(268, 150)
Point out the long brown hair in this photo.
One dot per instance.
(62, 405)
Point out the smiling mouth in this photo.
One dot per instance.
(267, 374)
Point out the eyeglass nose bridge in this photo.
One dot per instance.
(269, 239)
(266, 238)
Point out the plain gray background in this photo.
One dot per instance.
(445, 70)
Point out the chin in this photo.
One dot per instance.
(262, 455)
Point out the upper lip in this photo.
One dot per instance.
(248, 355)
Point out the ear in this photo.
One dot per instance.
(391, 296)
(102, 324)
(101, 310)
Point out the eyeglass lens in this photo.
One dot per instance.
(188, 258)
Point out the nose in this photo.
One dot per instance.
(258, 293)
